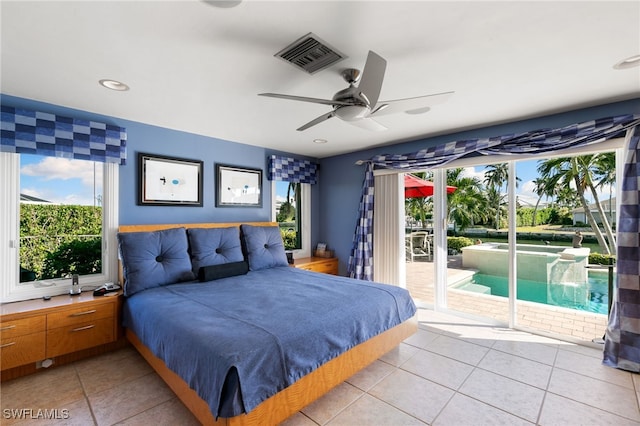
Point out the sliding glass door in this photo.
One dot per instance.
(528, 244)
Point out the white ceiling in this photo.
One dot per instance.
(198, 68)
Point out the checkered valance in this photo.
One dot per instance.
(41, 133)
(538, 141)
(289, 169)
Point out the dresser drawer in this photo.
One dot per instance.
(80, 315)
(80, 336)
(326, 267)
(21, 350)
(22, 326)
(329, 266)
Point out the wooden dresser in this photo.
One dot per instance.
(34, 330)
(325, 265)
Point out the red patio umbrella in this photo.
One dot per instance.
(414, 187)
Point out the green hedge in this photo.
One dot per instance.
(288, 238)
(601, 259)
(457, 243)
(59, 240)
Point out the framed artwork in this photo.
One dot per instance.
(238, 186)
(169, 181)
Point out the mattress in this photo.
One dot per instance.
(237, 341)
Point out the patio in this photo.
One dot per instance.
(577, 325)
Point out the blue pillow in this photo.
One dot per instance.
(264, 247)
(153, 259)
(214, 246)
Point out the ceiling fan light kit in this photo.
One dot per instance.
(357, 105)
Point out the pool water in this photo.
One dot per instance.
(592, 297)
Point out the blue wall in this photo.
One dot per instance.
(157, 140)
(342, 179)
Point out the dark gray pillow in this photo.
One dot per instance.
(224, 270)
(153, 259)
(264, 246)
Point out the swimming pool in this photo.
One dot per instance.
(592, 297)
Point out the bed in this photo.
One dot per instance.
(239, 335)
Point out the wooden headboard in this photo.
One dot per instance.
(158, 227)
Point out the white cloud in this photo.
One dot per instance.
(471, 172)
(61, 180)
(51, 168)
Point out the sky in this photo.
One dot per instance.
(60, 180)
(527, 172)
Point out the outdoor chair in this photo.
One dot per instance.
(418, 244)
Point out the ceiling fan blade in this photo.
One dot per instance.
(411, 104)
(304, 99)
(367, 124)
(372, 77)
(315, 121)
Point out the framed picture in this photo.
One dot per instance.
(169, 181)
(238, 187)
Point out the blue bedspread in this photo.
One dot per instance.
(256, 334)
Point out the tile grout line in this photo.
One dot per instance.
(85, 395)
(546, 389)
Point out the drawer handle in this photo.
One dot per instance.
(7, 344)
(77, 314)
(8, 327)
(86, 327)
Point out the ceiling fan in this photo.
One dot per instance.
(357, 105)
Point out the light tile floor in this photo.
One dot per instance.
(453, 371)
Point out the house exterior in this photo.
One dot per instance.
(608, 206)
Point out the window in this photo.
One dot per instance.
(291, 209)
(60, 220)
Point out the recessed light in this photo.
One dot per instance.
(320, 141)
(114, 85)
(630, 62)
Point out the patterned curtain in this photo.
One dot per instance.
(41, 133)
(538, 141)
(289, 169)
(361, 258)
(622, 339)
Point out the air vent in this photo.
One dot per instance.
(310, 54)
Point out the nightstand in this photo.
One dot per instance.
(34, 330)
(325, 265)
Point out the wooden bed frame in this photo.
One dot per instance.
(291, 399)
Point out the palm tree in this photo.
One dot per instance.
(589, 164)
(495, 177)
(540, 190)
(496, 205)
(418, 207)
(467, 204)
(565, 171)
(605, 170)
(287, 208)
